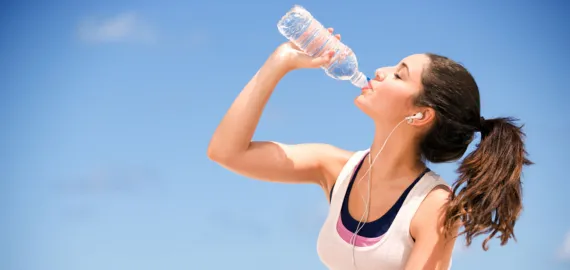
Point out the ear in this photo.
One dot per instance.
(427, 119)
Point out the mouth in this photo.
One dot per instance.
(366, 90)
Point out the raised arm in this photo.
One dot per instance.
(231, 144)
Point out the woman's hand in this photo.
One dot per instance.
(290, 57)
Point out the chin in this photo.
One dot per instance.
(368, 106)
(363, 104)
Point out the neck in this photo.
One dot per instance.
(400, 156)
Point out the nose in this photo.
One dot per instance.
(381, 74)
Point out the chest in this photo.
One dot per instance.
(391, 253)
(380, 201)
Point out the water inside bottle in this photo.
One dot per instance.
(301, 28)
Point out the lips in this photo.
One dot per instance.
(366, 90)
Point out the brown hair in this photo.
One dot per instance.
(487, 197)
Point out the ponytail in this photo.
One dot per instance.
(487, 198)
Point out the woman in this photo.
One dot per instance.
(394, 214)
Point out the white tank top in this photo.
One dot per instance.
(393, 249)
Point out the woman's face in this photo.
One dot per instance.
(394, 90)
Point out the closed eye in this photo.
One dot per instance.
(397, 76)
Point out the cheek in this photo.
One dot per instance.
(389, 101)
(393, 97)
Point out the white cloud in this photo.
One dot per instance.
(564, 251)
(127, 26)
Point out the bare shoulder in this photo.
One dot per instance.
(336, 159)
(285, 163)
(432, 247)
(437, 198)
(331, 159)
(431, 212)
(335, 153)
(328, 155)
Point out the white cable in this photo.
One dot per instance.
(367, 202)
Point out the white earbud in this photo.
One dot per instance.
(418, 115)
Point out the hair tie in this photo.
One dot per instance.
(483, 127)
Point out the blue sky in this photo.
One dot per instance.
(106, 110)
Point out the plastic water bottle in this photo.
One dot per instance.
(299, 26)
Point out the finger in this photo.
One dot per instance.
(337, 36)
(294, 46)
(330, 29)
(325, 58)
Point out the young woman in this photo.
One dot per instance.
(394, 214)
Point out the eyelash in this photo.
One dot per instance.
(397, 76)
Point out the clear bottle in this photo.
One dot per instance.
(301, 28)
